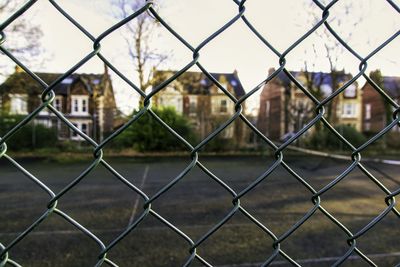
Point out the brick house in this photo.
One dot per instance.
(375, 111)
(87, 100)
(284, 108)
(197, 98)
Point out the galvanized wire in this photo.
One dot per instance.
(316, 196)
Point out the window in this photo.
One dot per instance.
(79, 105)
(43, 122)
(68, 80)
(18, 103)
(192, 105)
(83, 127)
(75, 105)
(267, 108)
(84, 105)
(227, 133)
(368, 108)
(349, 110)
(45, 111)
(58, 103)
(74, 134)
(223, 108)
(326, 89)
(367, 126)
(351, 91)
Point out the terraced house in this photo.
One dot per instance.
(285, 109)
(87, 100)
(196, 97)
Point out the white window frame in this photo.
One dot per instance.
(45, 111)
(368, 111)
(267, 108)
(352, 107)
(44, 122)
(367, 126)
(227, 133)
(221, 106)
(79, 125)
(192, 100)
(18, 104)
(79, 105)
(58, 106)
(350, 91)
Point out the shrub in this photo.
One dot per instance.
(147, 134)
(326, 139)
(28, 137)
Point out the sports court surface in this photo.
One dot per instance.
(105, 206)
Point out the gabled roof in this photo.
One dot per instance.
(391, 85)
(22, 82)
(319, 78)
(199, 83)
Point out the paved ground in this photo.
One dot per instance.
(106, 206)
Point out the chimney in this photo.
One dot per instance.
(271, 70)
(105, 70)
(18, 69)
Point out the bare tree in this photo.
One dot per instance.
(139, 34)
(22, 37)
(332, 50)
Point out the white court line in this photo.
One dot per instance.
(316, 260)
(342, 157)
(135, 206)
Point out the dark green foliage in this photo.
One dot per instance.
(219, 144)
(146, 134)
(325, 139)
(377, 77)
(29, 137)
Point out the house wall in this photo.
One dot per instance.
(282, 111)
(101, 103)
(171, 97)
(107, 107)
(342, 100)
(270, 119)
(377, 120)
(207, 115)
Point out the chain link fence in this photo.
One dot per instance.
(317, 196)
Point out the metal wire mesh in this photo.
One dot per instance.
(48, 96)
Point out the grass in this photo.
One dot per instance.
(104, 205)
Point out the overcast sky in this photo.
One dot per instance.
(281, 22)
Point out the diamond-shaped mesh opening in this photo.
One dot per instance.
(279, 201)
(197, 201)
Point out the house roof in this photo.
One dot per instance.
(199, 83)
(322, 78)
(22, 82)
(391, 85)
